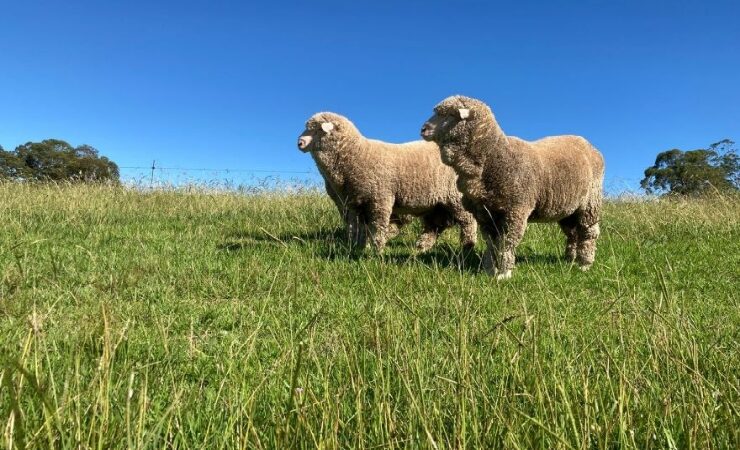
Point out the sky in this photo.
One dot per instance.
(230, 84)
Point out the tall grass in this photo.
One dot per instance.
(210, 320)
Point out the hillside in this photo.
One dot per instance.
(203, 320)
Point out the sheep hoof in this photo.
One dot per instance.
(584, 267)
(503, 276)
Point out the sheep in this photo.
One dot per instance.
(507, 181)
(376, 179)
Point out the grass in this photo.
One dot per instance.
(210, 320)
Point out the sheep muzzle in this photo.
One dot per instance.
(427, 131)
(304, 142)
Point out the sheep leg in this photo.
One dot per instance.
(468, 228)
(353, 227)
(586, 252)
(569, 227)
(510, 231)
(393, 230)
(379, 220)
(394, 227)
(588, 231)
(429, 234)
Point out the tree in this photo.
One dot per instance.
(56, 160)
(10, 166)
(694, 172)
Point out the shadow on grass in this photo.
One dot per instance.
(530, 258)
(268, 236)
(334, 238)
(442, 255)
(446, 255)
(333, 246)
(243, 240)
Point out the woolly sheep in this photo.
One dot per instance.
(377, 179)
(507, 181)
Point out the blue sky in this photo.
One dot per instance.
(220, 84)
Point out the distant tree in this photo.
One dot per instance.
(694, 172)
(56, 160)
(10, 166)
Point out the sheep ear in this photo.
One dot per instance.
(464, 113)
(327, 127)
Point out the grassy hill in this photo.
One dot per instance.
(209, 320)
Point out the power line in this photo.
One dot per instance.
(611, 184)
(205, 169)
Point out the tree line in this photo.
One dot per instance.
(694, 172)
(56, 160)
(675, 172)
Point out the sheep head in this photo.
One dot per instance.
(454, 124)
(318, 127)
(326, 131)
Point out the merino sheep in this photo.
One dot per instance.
(507, 181)
(376, 179)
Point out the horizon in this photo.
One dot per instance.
(194, 85)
